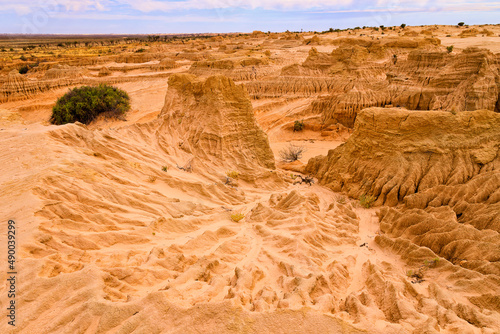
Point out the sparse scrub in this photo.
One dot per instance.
(298, 126)
(232, 174)
(236, 217)
(292, 153)
(85, 103)
(431, 263)
(164, 168)
(418, 275)
(450, 48)
(366, 201)
(341, 200)
(152, 179)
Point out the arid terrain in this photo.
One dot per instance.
(128, 225)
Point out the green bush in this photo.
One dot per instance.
(450, 48)
(83, 104)
(24, 69)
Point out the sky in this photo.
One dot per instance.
(220, 16)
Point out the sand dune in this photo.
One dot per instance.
(128, 226)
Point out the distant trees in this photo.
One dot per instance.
(461, 24)
(403, 26)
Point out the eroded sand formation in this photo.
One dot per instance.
(127, 227)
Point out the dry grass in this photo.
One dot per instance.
(236, 217)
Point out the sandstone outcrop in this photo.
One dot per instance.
(426, 80)
(214, 119)
(395, 153)
(438, 175)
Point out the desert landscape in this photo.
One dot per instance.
(190, 214)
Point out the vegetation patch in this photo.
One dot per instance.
(292, 153)
(233, 174)
(366, 201)
(236, 217)
(298, 126)
(84, 104)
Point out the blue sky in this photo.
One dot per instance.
(198, 16)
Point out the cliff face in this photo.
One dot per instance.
(214, 120)
(395, 153)
(439, 176)
(425, 80)
(417, 74)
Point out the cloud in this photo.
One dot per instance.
(285, 5)
(22, 7)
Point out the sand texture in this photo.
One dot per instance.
(129, 226)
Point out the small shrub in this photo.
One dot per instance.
(431, 263)
(403, 26)
(140, 50)
(152, 179)
(236, 217)
(461, 24)
(232, 174)
(24, 69)
(298, 126)
(366, 201)
(23, 58)
(450, 48)
(83, 104)
(292, 153)
(164, 168)
(341, 200)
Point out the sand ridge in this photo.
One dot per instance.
(126, 227)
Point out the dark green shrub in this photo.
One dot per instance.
(298, 126)
(83, 104)
(460, 24)
(24, 69)
(450, 48)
